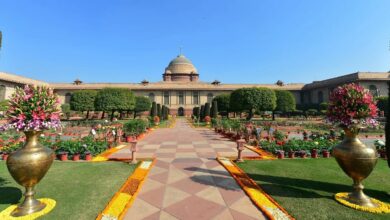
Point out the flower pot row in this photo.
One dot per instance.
(75, 157)
(302, 154)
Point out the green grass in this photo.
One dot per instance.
(305, 187)
(81, 189)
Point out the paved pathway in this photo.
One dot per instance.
(186, 181)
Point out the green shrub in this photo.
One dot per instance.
(135, 127)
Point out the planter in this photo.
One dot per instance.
(357, 160)
(88, 157)
(76, 157)
(314, 153)
(383, 154)
(129, 139)
(28, 166)
(325, 154)
(302, 154)
(280, 154)
(5, 156)
(291, 154)
(64, 156)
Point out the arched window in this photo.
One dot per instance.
(195, 98)
(180, 96)
(210, 97)
(373, 90)
(151, 97)
(320, 97)
(67, 97)
(2, 92)
(166, 98)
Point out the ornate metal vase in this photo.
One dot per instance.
(357, 160)
(28, 166)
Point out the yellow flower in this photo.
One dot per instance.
(50, 204)
(118, 205)
(382, 207)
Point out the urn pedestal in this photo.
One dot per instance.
(28, 166)
(357, 160)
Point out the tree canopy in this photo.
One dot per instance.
(223, 102)
(285, 101)
(142, 104)
(114, 99)
(83, 100)
(250, 99)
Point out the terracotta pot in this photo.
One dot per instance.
(64, 157)
(5, 156)
(129, 139)
(291, 154)
(280, 155)
(88, 157)
(325, 154)
(314, 153)
(303, 154)
(76, 157)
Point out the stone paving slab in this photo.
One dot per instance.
(186, 181)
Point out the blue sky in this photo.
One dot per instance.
(238, 41)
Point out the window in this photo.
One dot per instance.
(195, 98)
(210, 97)
(151, 97)
(181, 97)
(166, 98)
(373, 90)
(320, 97)
(2, 92)
(67, 97)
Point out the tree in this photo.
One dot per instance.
(65, 109)
(114, 99)
(195, 112)
(207, 109)
(142, 104)
(83, 100)
(201, 115)
(285, 101)
(382, 103)
(252, 99)
(153, 111)
(159, 110)
(223, 102)
(387, 127)
(3, 105)
(214, 109)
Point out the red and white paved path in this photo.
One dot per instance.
(186, 181)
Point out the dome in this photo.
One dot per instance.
(181, 65)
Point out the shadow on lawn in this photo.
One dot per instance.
(302, 188)
(9, 195)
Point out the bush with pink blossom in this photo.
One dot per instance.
(351, 105)
(32, 108)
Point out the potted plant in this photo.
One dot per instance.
(352, 107)
(156, 120)
(63, 156)
(280, 154)
(291, 154)
(207, 119)
(325, 153)
(314, 153)
(381, 148)
(302, 153)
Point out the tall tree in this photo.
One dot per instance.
(252, 99)
(214, 110)
(159, 110)
(387, 128)
(201, 115)
(142, 104)
(285, 102)
(207, 109)
(153, 111)
(83, 100)
(114, 99)
(223, 102)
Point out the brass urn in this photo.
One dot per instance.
(28, 166)
(357, 160)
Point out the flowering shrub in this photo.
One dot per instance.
(351, 105)
(207, 119)
(32, 108)
(156, 119)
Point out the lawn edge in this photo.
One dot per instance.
(131, 188)
(248, 185)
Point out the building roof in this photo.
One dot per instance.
(353, 77)
(20, 79)
(173, 86)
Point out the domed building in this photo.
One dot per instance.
(181, 69)
(181, 88)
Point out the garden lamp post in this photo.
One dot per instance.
(240, 148)
(133, 149)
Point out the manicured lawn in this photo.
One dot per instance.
(305, 187)
(81, 189)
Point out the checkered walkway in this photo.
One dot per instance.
(186, 181)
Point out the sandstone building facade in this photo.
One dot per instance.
(181, 88)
